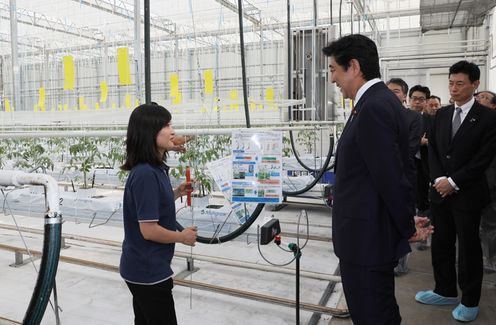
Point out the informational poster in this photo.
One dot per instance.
(221, 171)
(256, 166)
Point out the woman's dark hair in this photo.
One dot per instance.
(145, 123)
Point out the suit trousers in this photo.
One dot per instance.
(153, 304)
(422, 186)
(369, 292)
(450, 224)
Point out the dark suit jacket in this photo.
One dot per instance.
(415, 132)
(427, 121)
(465, 157)
(372, 219)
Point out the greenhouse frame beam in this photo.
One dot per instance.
(228, 31)
(126, 10)
(364, 11)
(5, 38)
(250, 12)
(55, 24)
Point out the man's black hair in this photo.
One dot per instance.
(435, 97)
(358, 47)
(469, 68)
(400, 82)
(422, 89)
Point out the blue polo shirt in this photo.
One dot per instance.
(148, 197)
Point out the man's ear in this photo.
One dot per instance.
(476, 84)
(355, 66)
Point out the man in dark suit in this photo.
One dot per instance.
(461, 146)
(373, 212)
(418, 96)
(415, 131)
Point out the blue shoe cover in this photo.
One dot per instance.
(432, 298)
(465, 314)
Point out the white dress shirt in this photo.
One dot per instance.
(364, 88)
(465, 109)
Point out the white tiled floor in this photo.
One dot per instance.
(91, 296)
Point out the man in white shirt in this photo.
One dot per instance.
(461, 146)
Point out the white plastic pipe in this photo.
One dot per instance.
(19, 178)
(122, 133)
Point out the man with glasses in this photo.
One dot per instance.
(486, 98)
(418, 96)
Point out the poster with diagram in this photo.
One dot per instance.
(221, 171)
(256, 166)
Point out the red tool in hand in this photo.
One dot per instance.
(188, 183)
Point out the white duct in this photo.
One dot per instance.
(19, 178)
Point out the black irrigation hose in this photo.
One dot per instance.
(260, 206)
(317, 177)
(232, 235)
(302, 164)
(48, 270)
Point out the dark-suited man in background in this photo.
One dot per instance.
(415, 131)
(461, 146)
(373, 211)
(418, 97)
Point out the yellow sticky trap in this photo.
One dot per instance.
(174, 84)
(233, 95)
(269, 97)
(66, 107)
(82, 104)
(103, 92)
(175, 93)
(127, 101)
(113, 106)
(7, 105)
(137, 103)
(40, 106)
(253, 106)
(97, 106)
(68, 72)
(203, 109)
(59, 107)
(269, 94)
(177, 100)
(208, 76)
(123, 66)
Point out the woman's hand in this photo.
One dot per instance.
(189, 236)
(183, 189)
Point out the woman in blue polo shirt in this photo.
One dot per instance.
(150, 216)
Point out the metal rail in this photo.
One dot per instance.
(338, 312)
